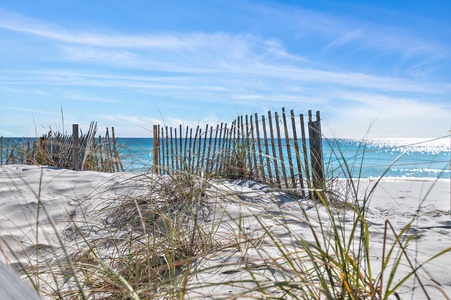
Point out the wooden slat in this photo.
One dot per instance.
(209, 158)
(75, 147)
(214, 157)
(249, 164)
(288, 145)
(162, 150)
(193, 150)
(172, 151)
(304, 150)
(200, 158)
(156, 149)
(190, 149)
(176, 149)
(166, 141)
(181, 150)
(219, 149)
(268, 160)
(274, 153)
(223, 148)
(297, 153)
(185, 149)
(260, 150)
(232, 144)
(254, 152)
(204, 158)
(282, 159)
(1, 150)
(226, 147)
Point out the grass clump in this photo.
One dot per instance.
(181, 236)
(58, 149)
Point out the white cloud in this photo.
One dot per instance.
(236, 45)
(138, 126)
(387, 117)
(34, 111)
(242, 55)
(87, 98)
(345, 38)
(240, 70)
(87, 54)
(135, 120)
(16, 22)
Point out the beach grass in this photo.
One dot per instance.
(183, 236)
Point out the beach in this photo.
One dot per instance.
(42, 208)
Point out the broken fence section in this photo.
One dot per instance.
(79, 151)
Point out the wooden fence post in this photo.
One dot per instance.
(156, 150)
(316, 154)
(7, 156)
(319, 150)
(75, 147)
(1, 151)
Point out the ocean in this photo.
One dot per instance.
(394, 158)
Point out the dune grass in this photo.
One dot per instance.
(183, 236)
(56, 149)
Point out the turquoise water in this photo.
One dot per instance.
(401, 158)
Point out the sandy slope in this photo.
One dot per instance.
(34, 201)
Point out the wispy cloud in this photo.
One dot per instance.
(315, 59)
(92, 54)
(144, 124)
(174, 41)
(86, 98)
(240, 54)
(17, 22)
(355, 34)
(345, 38)
(34, 111)
(135, 120)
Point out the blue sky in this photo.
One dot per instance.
(382, 66)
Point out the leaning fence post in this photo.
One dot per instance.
(156, 150)
(75, 147)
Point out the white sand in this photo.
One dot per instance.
(82, 195)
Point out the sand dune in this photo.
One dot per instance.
(35, 203)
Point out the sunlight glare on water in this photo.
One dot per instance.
(400, 158)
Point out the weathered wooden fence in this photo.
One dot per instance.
(76, 151)
(265, 149)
